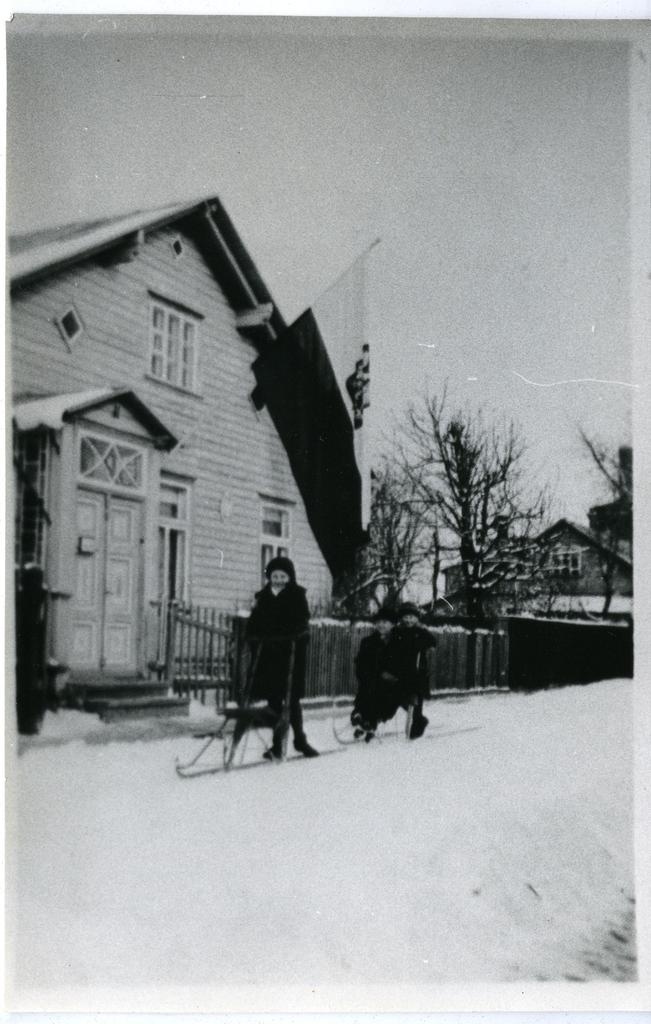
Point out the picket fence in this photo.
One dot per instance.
(204, 651)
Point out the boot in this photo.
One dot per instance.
(271, 755)
(304, 748)
(418, 726)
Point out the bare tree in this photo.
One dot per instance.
(616, 468)
(612, 521)
(471, 476)
(400, 539)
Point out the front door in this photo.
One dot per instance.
(106, 609)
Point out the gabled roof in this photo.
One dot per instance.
(584, 533)
(53, 411)
(40, 253)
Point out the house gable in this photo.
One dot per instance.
(118, 241)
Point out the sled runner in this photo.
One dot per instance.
(238, 722)
(347, 733)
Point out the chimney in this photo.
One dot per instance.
(626, 468)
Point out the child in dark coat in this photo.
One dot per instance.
(376, 699)
(279, 617)
(409, 645)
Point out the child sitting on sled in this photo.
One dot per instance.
(377, 695)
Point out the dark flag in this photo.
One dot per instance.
(297, 383)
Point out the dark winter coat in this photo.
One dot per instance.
(276, 620)
(376, 696)
(407, 659)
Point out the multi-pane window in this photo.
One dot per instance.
(173, 539)
(174, 338)
(275, 533)
(111, 463)
(30, 460)
(564, 563)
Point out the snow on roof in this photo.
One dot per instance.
(30, 253)
(49, 412)
(592, 603)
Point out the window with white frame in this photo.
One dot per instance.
(565, 563)
(173, 344)
(275, 533)
(173, 539)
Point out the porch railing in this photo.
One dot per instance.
(198, 650)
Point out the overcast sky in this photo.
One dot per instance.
(494, 165)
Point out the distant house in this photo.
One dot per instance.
(579, 568)
(562, 571)
(143, 471)
(612, 522)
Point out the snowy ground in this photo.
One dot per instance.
(496, 849)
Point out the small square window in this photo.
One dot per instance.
(177, 246)
(70, 326)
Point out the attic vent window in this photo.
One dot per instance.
(177, 246)
(70, 326)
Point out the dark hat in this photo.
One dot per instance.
(281, 564)
(408, 609)
(384, 615)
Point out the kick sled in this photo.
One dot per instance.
(224, 747)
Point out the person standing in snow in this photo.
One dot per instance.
(407, 659)
(377, 698)
(280, 617)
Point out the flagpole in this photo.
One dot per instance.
(360, 441)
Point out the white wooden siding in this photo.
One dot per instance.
(231, 451)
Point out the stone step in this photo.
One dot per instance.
(78, 692)
(119, 709)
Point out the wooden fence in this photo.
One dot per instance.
(461, 660)
(207, 651)
(547, 652)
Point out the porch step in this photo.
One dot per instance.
(78, 692)
(119, 709)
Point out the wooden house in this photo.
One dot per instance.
(567, 569)
(143, 471)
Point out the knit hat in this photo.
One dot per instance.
(384, 615)
(281, 564)
(408, 609)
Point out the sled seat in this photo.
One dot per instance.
(247, 718)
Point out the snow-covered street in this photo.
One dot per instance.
(498, 848)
